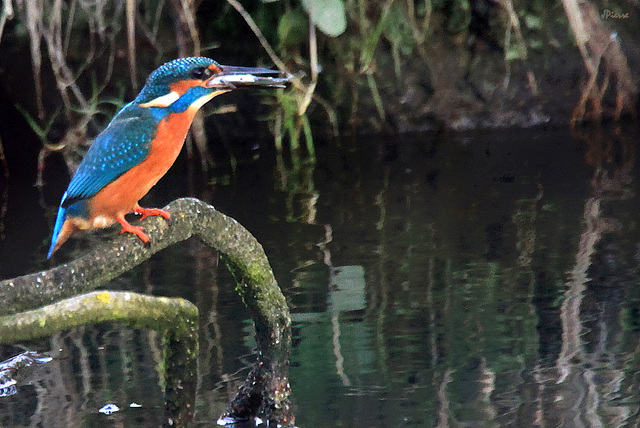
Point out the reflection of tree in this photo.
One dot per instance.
(466, 250)
(579, 394)
(443, 401)
(440, 296)
(595, 227)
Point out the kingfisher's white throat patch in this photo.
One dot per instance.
(162, 101)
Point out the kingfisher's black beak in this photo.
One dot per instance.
(233, 77)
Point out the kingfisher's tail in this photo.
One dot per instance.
(59, 235)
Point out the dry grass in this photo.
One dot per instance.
(71, 37)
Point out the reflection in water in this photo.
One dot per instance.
(107, 366)
(477, 261)
(439, 281)
(584, 389)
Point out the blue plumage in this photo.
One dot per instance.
(120, 147)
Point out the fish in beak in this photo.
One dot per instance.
(233, 77)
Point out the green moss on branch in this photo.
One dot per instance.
(136, 310)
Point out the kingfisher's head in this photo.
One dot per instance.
(188, 83)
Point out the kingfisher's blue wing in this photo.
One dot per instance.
(120, 147)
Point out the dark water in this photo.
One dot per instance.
(435, 281)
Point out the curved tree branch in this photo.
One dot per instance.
(266, 391)
(136, 310)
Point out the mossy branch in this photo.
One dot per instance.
(136, 310)
(245, 258)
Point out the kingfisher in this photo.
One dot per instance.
(141, 143)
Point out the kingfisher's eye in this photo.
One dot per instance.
(202, 73)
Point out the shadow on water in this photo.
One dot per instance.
(434, 281)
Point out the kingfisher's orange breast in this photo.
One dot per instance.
(121, 195)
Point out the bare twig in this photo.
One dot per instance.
(131, 42)
(34, 21)
(305, 100)
(256, 30)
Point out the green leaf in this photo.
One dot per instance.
(328, 15)
(533, 22)
(293, 28)
(515, 51)
(398, 30)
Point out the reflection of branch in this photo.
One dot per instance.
(9, 370)
(443, 400)
(581, 396)
(584, 385)
(267, 390)
(606, 186)
(570, 310)
(337, 350)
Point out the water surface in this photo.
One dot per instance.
(486, 279)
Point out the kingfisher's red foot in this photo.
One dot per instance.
(128, 227)
(146, 212)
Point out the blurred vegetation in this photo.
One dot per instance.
(360, 66)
